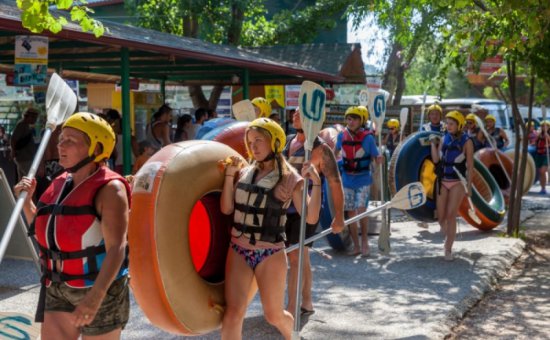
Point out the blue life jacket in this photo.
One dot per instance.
(499, 141)
(453, 155)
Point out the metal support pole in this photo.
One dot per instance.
(125, 94)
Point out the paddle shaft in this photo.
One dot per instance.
(494, 147)
(347, 222)
(23, 195)
(471, 211)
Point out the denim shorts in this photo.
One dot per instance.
(112, 314)
(356, 198)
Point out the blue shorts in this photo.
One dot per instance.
(356, 198)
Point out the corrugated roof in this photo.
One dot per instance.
(169, 49)
(335, 58)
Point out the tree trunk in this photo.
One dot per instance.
(389, 82)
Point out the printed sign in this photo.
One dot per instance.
(31, 60)
(275, 92)
(292, 93)
(224, 103)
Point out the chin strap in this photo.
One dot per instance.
(299, 130)
(80, 164)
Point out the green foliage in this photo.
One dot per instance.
(237, 22)
(36, 16)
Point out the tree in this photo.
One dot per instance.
(36, 16)
(234, 22)
(517, 30)
(410, 24)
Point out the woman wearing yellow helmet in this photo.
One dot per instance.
(500, 139)
(258, 198)
(392, 138)
(473, 131)
(80, 226)
(454, 153)
(434, 115)
(262, 107)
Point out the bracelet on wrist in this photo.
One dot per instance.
(229, 175)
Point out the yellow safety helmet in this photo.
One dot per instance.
(263, 105)
(360, 111)
(97, 129)
(435, 107)
(278, 137)
(458, 117)
(393, 123)
(491, 117)
(471, 117)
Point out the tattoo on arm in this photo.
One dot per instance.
(328, 164)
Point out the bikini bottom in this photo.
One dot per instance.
(254, 257)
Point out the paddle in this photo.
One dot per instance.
(312, 115)
(422, 109)
(244, 111)
(60, 104)
(364, 98)
(411, 196)
(377, 108)
(471, 210)
(543, 110)
(493, 146)
(18, 326)
(403, 115)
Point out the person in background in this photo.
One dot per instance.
(473, 131)
(261, 107)
(289, 125)
(358, 148)
(258, 195)
(211, 114)
(23, 146)
(541, 154)
(49, 167)
(145, 152)
(275, 117)
(500, 139)
(434, 115)
(4, 141)
(158, 130)
(391, 140)
(455, 151)
(80, 226)
(323, 159)
(184, 128)
(532, 135)
(201, 116)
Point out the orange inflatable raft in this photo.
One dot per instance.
(179, 239)
(488, 157)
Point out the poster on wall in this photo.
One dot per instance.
(31, 60)
(224, 104)
(275, 93)
(292, 92)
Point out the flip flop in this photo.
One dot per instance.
(306, 312)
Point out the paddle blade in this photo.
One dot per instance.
(403, 116)
(312, 111)
(377, 106)
(60, 100)
(244, 111)
(364, 98)
(409, 197)
(543, 111)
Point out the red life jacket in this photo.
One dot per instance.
(541, 144)
(353, 155)
(68, 229)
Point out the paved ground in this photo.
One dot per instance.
(519, 306)
(412, 293)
